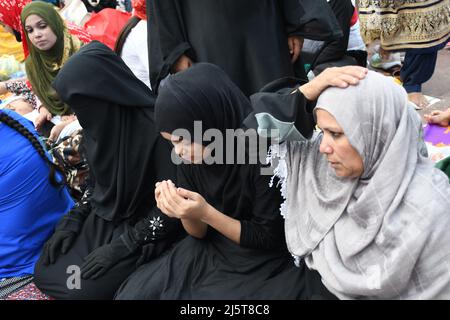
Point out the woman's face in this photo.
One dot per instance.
(39, 33)
(341, 155)
(187, 150)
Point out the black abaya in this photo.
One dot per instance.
(247, 39)
(336, 50)
(127, 157)
(215, 267)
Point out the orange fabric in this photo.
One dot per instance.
(140, 9)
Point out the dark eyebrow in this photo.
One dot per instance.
(39, 22)
(335, 130)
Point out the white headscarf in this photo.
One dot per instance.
(386, 234)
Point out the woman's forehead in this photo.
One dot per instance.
(33, 19)
(326, 120)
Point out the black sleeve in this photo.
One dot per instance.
(280, 102)
(311, 19)
(292, 13)
(74, 219)
(265, 229)
(156, 227)
(262, 228)
(167, 38)
(343, 11)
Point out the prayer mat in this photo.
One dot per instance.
(11, 285)
(437, 139)
(29, 292)
(437, 135)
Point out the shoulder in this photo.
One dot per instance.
(138, 33)
(22, 120)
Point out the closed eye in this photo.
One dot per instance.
(336, 135)
(333, 133)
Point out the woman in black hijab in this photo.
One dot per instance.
(118, 226)
(236, 247)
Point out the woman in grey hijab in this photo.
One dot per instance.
(364, 206)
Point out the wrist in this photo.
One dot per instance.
(69, 223)
(309, 92)
(209, 213)
(127, 240)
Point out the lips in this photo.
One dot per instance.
(333, 164)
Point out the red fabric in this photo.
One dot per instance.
(106, 25)
(355, 18)
(10, 11)
(140, 9)
(79, 32)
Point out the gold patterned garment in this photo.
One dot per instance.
(405, 24)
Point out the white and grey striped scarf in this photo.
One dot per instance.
(384, 235)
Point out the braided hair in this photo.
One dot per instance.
(20, 128)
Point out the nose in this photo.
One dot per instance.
(37, 34)
(325, 146)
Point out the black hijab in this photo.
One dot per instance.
(205, 93)
(116, 110)
(201, 93)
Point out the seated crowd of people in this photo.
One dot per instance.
(118, 171)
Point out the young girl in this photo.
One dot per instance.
(236, 247)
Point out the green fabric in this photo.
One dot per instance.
(269, 126)
(444, 165)
(43, 66)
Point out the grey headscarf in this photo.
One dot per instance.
(386, 234)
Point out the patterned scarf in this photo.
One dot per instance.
(383, 235)
(405, 24)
